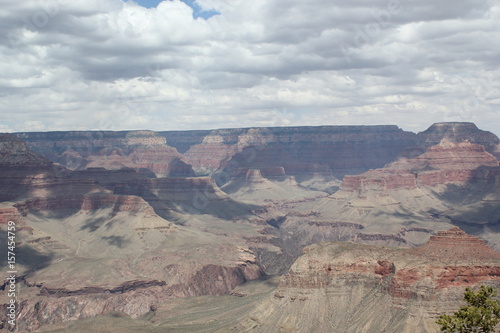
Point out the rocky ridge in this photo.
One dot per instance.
(444, 163)
(303, 152)
(352, 287)
(458, 132)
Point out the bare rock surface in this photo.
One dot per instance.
(458, 132)
(351, 287)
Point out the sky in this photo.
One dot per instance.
(204, 64)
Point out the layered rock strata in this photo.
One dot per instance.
(325, 150)
(458, 132)
(445, 163)
(347, 287)
(110, 150)
(89, 242)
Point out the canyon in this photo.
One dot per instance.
(129, 225)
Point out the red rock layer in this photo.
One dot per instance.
(444, 163)
(450, 259)
(299, 150)
(455, 242)
(10, 214)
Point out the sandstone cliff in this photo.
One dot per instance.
(116, 236)
(269, 186)
(444, 163)
(347, 287)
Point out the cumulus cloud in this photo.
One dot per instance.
(110, 64)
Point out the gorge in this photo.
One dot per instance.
(118, 226)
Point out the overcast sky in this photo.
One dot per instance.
(111, 64)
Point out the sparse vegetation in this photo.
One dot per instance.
(480, 315)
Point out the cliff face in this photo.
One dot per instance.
(110, 150)
(351, 287)
(444, 163)
(15, 153)
(402, 203)
(308, 150)
(336, 150)
(21, 168)
(301, 151)
(135, 298)
(90, 235)
(269, 187)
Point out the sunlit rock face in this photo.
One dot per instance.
(351, 287)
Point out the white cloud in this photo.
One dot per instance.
(114, 65)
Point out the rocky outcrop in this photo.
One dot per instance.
(458, 132)
(445, 163)
(116, 235)
(457, 243)
(134, 298)
(450, 184)
(88, 239)
(9, 213)
(334, 150)
(270, 187)
(15, 153)
(299, 150)
(20, 167)
(351, 287)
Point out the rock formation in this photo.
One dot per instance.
(347, 287)
(399, 205)
(458, 132)
(270, 187)
(96, 241)
(303, 152)
(111, 150)
(124, 221)
(444, 163)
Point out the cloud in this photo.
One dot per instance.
(110, 64)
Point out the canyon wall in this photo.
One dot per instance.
(458, 132)
(299, 150)
(86, 239)
(111, 150)
(328, 150)
(347, 287)
(445, 163)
